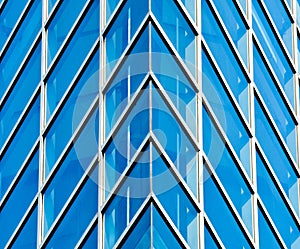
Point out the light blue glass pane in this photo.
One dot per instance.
(70, 172)
(276, 156)
(20, 45)
(174, 201)
(190, 6)
(127, 201)
(174, 81)
(174, 141)
(8, 18)
(27, 239)
(298, 43)
(72, 113)
(72, 58)
(276, 207)
(244, 5)
(282, 22)
(225, 112)
(222, 52)
(18, 202)
(162, 236)
(141, 234)
(20, 146)
(51, 4)
(110, 7)
(61, 24)
(298, 12)
(122, 31)
(177, 29)
(273, 51)
(20, 95)
(266, 237)
(127, 140)
(274, 102)
(208, 240)
(78, 217)
(234, 25)
(92, 240)
(127, 80)
(227, 171)
(218, 212)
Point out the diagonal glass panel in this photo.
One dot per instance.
(208, 239)
(173, 80)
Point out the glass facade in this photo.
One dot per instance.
(149, 124)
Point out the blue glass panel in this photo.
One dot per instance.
(225, 112)
(234, 25)
(218, 212)
(92, 240)
(70, 172)
(244, 5)
(51, 4)
(78, 217)
(20, 45)
(174, 201)
(110, 7)
(298, 11)
(274, 102)
(20, 95)
(298, 44)
(174, 81)
(127, 201)
(208, 240)
(174, 141)
(127, 80)
(9, 17)
(141, 235)
(61, 24)
(222, 52)
(127, 140)
(276, 207)
(273, 51)
(190, 6)
(282, 22)
(19, 200)
(122, 31)
(72, 58)
(72, 113)
(227, 171)
(19, 148)
(276, 156)
(27, 239)
(177, 29)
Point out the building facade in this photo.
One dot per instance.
(149, 124)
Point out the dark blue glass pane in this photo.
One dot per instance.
(19, 200)
(174, 200)
(70, 172)
(177, 29)
(127, 80)
(227, 171)
(72, 112)
(218, 212)
(20, 45)
(78, 217)
(234, 25)
(276, 156)
(122, 31)
(274, 102)
(19, 148)
(92, 240)
(276, 207)
(140, 237)
(266, 237)
(128, 200)
(282, 22)
(225, 112)
(222, 52)
(174, 140)
(208, 240)
(9, 17)
(174, 81)
(61, 24)
(27, 239)
(20, 95)
(72, 58)
(273, 51)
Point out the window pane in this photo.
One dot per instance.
(92, 240)
(208, 240)
(72, 58)
(51, 4)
